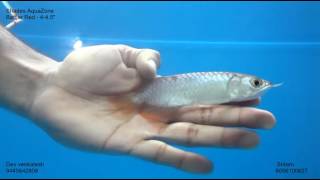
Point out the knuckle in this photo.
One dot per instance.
(239, 116)
(206, 115)
(192, 132)
(182, 160)
(160, 152)
(122, 46)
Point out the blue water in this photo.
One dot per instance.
(279, 41)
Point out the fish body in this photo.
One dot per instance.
(204, 88)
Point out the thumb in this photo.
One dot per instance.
(145, 61)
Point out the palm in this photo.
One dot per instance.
(87, 105)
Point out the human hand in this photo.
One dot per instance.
(84, 104)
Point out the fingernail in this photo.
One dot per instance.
(152, 69)
(152, 64)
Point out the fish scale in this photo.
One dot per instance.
(199, 88)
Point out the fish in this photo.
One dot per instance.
(201, 88)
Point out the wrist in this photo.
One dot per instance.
(23, 82)
(23, 73)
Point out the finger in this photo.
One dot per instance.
(224, 115)
(146, 64)
(253, 102)
(146, 61)
(163, 153)
(202, 135)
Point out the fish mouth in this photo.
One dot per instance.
(270, 85)
(276, 85)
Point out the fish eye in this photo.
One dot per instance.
(256, 83)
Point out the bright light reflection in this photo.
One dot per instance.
(77, 44)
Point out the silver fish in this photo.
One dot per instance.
(203, 88)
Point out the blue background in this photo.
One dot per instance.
(279, 41)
